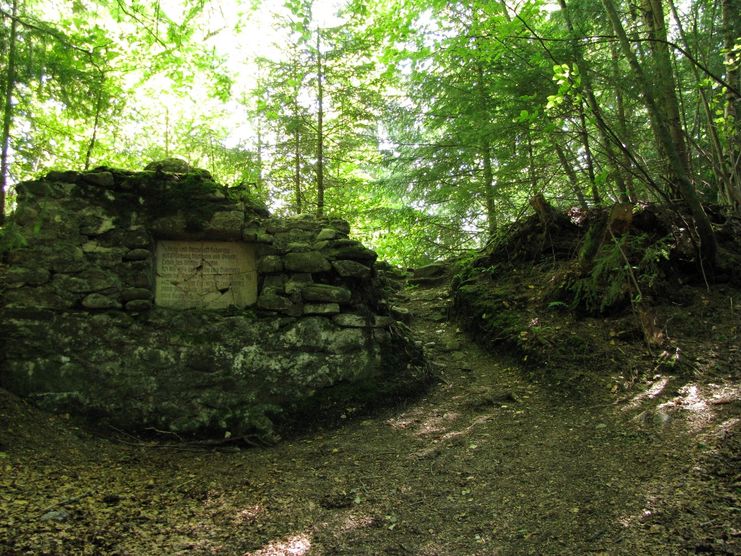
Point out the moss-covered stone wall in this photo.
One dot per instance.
(82, 331)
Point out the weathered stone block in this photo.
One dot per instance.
(94, 246)
(274, 282)
(26, 216)
(141, 280)
(97, 279)
(99, 301)
(326, 294)
(67, 259)
(262, 237)
(326, 234)
(294, 236)
(249, 234)
(321, 308)
(352, 250)
(311, 261)
(270, 264)
(226, 225)
(401, 313)
(17, 277)
(137, 255)
(271, 301)
(169, 226)
(350, 320)
(42, 297)
(90, 280)
(299, 247)
(63, 177)
(99, 179)
(95, 221)
(297, 282)
(340, 225)
(316, 333)
(138, 305)
(352, 269)
(382, 321)
(171, 165)
(137, 239)
(132, 294)
(95, 226)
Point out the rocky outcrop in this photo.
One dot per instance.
(95, 321)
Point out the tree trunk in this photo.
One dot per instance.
(664, 85)
(719, 157)
(623, 127)
(602, 128)
(259, 178)
(708, 242)
(731, 33)
(96, 123)
(583, 133)
(319, 129)
(167, 133)
(485, 148)
(297, 165)
(569, 170)
(8, 108)
(531, 162)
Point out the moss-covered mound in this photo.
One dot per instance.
(543, 289)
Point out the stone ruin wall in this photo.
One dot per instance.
(160, 299)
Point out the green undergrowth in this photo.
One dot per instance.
(623, 271)
(577, 300)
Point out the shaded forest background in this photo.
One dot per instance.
(428, 124)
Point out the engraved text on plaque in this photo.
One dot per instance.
(205, 274)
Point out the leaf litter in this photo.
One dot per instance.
(491, 460)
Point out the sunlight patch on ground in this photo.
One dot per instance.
(652, 392)
(430, 425)
(454, 437)
(248, 515)
(701, 403)
(469, 429)
(636, 519)
(353, 522)
(297, 545)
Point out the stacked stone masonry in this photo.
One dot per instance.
(161, 299)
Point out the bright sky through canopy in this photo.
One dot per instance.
(242, 37)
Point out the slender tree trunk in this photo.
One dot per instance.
(589, 159)
(686, 188)
(719, 157)
(485, 148)
(491, 206)
(167, 133)
(531, 163)
(96, 123)
(664, 85)
(602, 128)
(8, 108)
(622, 126)
(569, 170)
(260, 183)
(319, 128)
(297, 166)
(731, 10)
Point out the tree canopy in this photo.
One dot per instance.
(427, 124)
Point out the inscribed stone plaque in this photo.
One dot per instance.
(205, 274)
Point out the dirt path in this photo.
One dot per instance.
(486, 463)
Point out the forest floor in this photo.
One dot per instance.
(492, 460)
